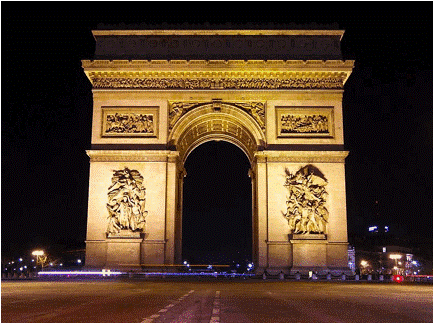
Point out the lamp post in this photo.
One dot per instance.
(364, 265)
(395, 257)
(40, 257)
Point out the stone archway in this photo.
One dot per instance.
(201, 122)
(217, 120)
(285, 114)
(217, 205)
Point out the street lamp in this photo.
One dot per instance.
(395, 257)
(40, 257)
(364, 265)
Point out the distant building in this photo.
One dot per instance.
(389, 259)
(375, 229)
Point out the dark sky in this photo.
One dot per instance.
(47, 108)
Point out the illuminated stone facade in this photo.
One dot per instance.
(285, 114)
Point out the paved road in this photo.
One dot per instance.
(215, 301)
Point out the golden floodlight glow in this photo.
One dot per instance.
(395, 256)
(363, 263)
(38, 252)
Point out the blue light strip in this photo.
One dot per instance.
(102, 273)
(107, 273)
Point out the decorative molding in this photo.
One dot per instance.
(277, 242)
(296, 237)
(216, 83)
(235, 32)
(129, 122)
(132, 156)
(217, 74)
(278, 67)
(301, 156)
(256, 109)
(304, 122)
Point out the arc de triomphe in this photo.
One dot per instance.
(276, 94)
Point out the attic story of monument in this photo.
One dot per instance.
(276, 94)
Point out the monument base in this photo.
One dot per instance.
(309, 251)
(320, 271)
(123, 250)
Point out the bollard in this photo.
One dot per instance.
(381, 278)
(329, 276)
(369, 277)
(281, 276)
(297, 276)
(344, 277)
(130, 275)
(357, 278)
(314, 277)
(264, 276)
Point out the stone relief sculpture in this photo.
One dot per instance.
(303, 124)
(254, 109)
(100, 82)
(126, 204)
(129, 123)
(306, 212)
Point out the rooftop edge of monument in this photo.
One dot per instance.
(234, 44)
(218, 32)
(213, 65)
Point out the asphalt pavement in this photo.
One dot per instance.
(213, 300)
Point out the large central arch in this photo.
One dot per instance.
(217, 205)
(215, 121)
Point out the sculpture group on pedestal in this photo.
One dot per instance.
(306, 212)
(126, 204)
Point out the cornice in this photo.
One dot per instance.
(217, 74)
(218, 32)
(132, 156)
(301, 156)
(212, 65)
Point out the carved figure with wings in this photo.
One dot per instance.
(306, 211)
(126, 205)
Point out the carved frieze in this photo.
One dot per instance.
(126, 202)
(119, 81)
(255, 109)
(304, 121)
(217, 74)
(129, 121)
(306, 212)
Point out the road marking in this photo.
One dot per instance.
(215, 317)
(151, 318)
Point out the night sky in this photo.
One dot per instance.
(47, 111)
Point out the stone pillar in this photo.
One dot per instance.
(307, 251)
(171, 209)
(261, 222)
(132, 249)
